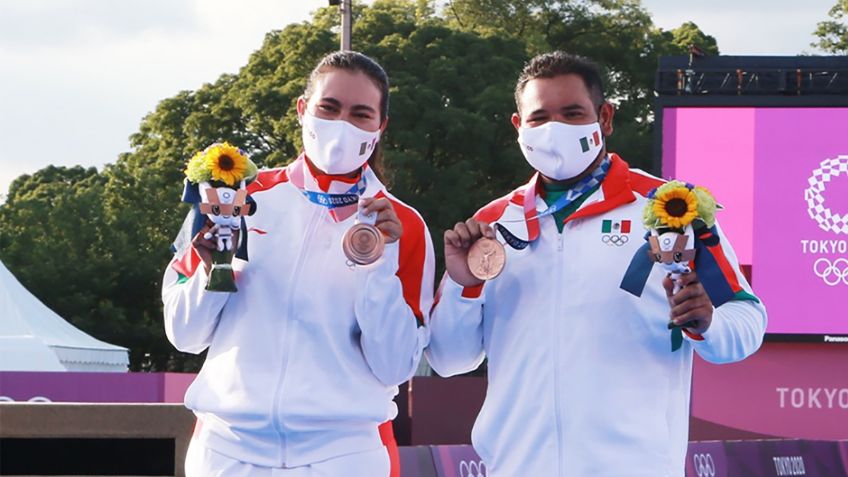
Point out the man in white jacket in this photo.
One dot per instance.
(582, 378)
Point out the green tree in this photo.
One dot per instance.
(618, 34)
(52, 239)
(688, 34)
(833, 33)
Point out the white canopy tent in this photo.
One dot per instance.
(34, 338)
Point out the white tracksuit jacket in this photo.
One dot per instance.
(582, 380)
(305, 358)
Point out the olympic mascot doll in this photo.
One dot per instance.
(215, 185)
(680, 219)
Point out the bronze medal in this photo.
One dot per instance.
(486, 258)
(363, 244)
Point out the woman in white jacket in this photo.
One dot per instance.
(305, 358)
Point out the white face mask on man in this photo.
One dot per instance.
(336, 147)
(561, 151)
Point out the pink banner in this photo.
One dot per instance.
(93, 387)
(714, 148)
(784, 390)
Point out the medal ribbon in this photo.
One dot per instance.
(333, 201)
(531, 216)
(351, 197)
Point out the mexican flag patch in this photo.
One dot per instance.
(588, 142)
(615, 227)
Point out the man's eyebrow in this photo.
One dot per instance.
(573, 107)
(538, 112)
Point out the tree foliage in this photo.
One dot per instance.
(93, 245)
(833, 33)
(618, 34)
(687, 35)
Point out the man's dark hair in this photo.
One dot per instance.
(355, 61)
(556, 63)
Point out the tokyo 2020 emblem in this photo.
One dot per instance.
(833, 271)
(828, 220)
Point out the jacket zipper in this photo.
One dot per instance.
(288, 319)
(557, 322)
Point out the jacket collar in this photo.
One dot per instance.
(615, 191)
(304, 175)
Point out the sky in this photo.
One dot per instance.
(78, 76)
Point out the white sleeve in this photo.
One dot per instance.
(456, 330)
(191, 312)
(739, 325)
(391, 308)
(736, 332)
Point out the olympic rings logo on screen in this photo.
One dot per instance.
(832, 273)
(827, 220)
(472, 468)
(704, 465)
(617, 240)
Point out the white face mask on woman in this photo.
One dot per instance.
(336, 147)
(561, 151)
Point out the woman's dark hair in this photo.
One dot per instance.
(355, 61)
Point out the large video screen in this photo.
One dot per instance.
(782, 176)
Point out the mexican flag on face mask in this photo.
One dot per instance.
(588, 142)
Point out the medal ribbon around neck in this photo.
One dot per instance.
(532, 216)
(334, 201)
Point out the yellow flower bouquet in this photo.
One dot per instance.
(676, 215)
(675, 205)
